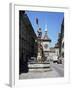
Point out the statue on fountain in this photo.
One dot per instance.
(40, 48)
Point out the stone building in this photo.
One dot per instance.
(46, 43)
(54, 52)
(27, 44)
(61, 40)
(56, 49)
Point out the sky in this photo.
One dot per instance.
(53, 21)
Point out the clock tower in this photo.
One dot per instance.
(46, 43)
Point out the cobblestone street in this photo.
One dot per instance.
(56, 70)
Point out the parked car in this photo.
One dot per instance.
(55, 59)
(60, 60)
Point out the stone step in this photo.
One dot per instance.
(40, 70)
(39, 67)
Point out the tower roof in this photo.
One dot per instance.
(46, 38)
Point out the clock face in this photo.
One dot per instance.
(46, 46)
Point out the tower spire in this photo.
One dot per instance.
(46, 32)
(46, 28)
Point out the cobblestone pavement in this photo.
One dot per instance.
(56, 70)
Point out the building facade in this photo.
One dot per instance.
(61, 42)
(27, 44)
(54, 53)
(46, 44)
(62, 39)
